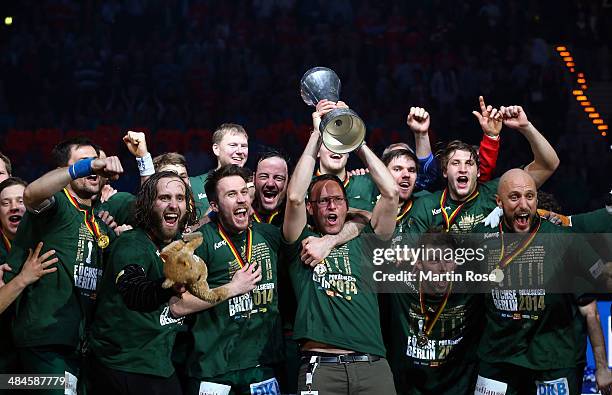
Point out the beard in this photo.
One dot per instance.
(162, 233)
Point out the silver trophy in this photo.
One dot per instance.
(342, 129)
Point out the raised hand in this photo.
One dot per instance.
(489, 118)
(108, 219)
(418, 120)
(37, 266)
(323, 107)
(514, 117)
(106, 192)
(108, 167)
(136, 143)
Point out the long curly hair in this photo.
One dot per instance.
(143, 208)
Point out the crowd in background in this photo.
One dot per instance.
(179, 68)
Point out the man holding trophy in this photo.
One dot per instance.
(345, 355)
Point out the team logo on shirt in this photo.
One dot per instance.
(166, 318)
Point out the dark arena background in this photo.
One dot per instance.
(176, 69)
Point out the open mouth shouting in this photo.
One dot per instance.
(522, 221)
(463, 182)
(269, 195)
(171, 220)
(405, 186)
(241, 214)
(331, 219)
(13, 221)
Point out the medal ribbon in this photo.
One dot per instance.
(346, 180)
(267, 220)
(505, 260)
(429, 323)
(232, 246)
(448, 221)
(404, 210)
(6, 242)
(90, 221)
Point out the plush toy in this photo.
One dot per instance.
(182, 266)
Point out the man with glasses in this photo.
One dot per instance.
(337, 320)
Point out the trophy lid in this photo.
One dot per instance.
(320, 83)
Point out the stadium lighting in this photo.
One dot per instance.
(8, 21)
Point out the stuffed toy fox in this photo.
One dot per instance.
(182, 266)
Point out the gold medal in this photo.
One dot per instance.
(422, 339)
(103, 241)
(497, 275)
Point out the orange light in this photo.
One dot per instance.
(598, 121)
(594, 115)
(577, 92)
(571, 69)
(570, 64)
(602, 127)
(585, 103)
(583, 86)
(568, 59)
(581, 81)
(565, 53)
(580, 75)
(604, 134)
(581, 98)
(589, 109)
(561, 48)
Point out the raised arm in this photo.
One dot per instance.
(490, 120)
(385, 210)
(295, 210)
(545, 159)
(40, 191)
(418, 121)
(136, 143)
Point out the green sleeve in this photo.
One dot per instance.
(27, 233)
(120, 206)
(131, 248)
(598, 221)
(420, 215)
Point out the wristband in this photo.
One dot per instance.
(145, 165)
(81, 168)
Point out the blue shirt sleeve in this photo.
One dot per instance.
(428, 172)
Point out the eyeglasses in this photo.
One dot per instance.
(324, 202)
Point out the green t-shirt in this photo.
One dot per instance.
(53, 310)
(244, 331)
(452, 342)
(128, 340)
(427, 214)
(120, 206)
(7, 346)
(199, 193)
(362, 192)
(530, 323)
(598, 221)
(338, 307)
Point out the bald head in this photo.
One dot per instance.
(517, 195)
(514, 177)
